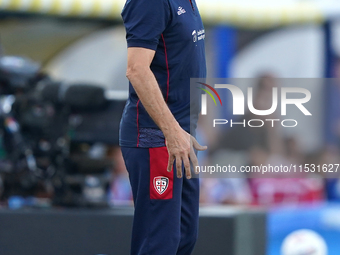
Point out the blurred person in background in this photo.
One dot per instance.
(235, 142)
(292, 189)
(243, 138)
(226, 191)
(263, 146)
(277, 150)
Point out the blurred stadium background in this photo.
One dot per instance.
(63, 185)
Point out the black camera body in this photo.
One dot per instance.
(41, 120)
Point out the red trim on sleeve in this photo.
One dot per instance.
(167, 69)
(192, 6)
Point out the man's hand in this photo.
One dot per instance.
(181, 147)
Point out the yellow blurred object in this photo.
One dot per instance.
(259, 14)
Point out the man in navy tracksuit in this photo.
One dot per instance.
(165, 49)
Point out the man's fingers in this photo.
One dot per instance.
(179, 167)
(194, 160)
(197, 146)
(170, 162)
(187, 167)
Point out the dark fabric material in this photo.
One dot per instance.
(174, 29)
(161, 226)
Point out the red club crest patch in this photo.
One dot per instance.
(161, 184)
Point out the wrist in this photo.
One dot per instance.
(171, 130)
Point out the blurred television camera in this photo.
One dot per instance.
(39, 140)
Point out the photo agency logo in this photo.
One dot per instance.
(302, 96)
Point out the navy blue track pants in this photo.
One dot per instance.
(166, 207)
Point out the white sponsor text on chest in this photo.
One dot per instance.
(201, 34)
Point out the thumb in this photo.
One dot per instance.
(197, 146)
